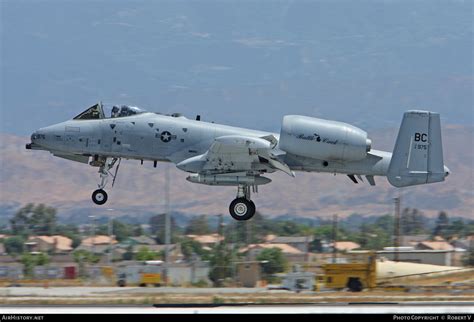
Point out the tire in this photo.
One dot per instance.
(99, 197)
(242, 209)
(254, 208)
(121, 283)
(354, 284)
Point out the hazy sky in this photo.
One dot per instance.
(244, 63)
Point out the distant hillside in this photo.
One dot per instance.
(37, 176)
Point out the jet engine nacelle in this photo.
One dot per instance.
(323, 139)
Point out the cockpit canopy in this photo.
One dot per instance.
(100, 111)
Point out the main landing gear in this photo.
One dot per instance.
(99, 196)
(242, 208)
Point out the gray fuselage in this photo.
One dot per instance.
(156, 137)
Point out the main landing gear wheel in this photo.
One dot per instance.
(242, 209)
(99, 197)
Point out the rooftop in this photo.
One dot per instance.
(206, 239)
(59, 242)
(435, 245)
(98, 240)
(291, 239)
(285, 248)
(346, 245)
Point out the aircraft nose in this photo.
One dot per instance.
(446, 171)
(47, 138)
(33, 137)
(36, 139)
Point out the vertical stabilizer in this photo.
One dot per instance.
(418, 154)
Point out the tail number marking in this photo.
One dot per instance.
(423, 137)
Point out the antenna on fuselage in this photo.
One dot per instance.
(198, 117)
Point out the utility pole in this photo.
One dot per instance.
(334, 238)
(220, 227)
(396, 229)
(93, 234)
(109, 257)
(167, 220)
(220, 247)
(306, 254)
(248, 236)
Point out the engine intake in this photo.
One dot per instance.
(323, 139)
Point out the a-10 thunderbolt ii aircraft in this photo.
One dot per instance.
(222, 155)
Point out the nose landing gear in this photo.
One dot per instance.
(242, 208)
(99, 196)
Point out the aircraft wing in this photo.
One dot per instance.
(236, 153)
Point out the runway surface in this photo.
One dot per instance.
(404, 308)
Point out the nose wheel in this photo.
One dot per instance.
(99, 197)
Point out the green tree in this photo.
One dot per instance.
(385, 223)
(412, 222)
(442, 223)
(273, 262)
(325, 232)
(43, 219)
(34, 219)
(66, 229)
(157, 227)
(28, 262)
(20, 223)
(249, 232)
(121, 230)
(128, 255)
(190, 247)
(198, 226)
(14, 245)
(41, 259)
(145, 254)
(456, 228)
(237, 231)
(83, 257)
(137, 230)
(220, 264)
(289, 228)
(259, 228)
(373, 237)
